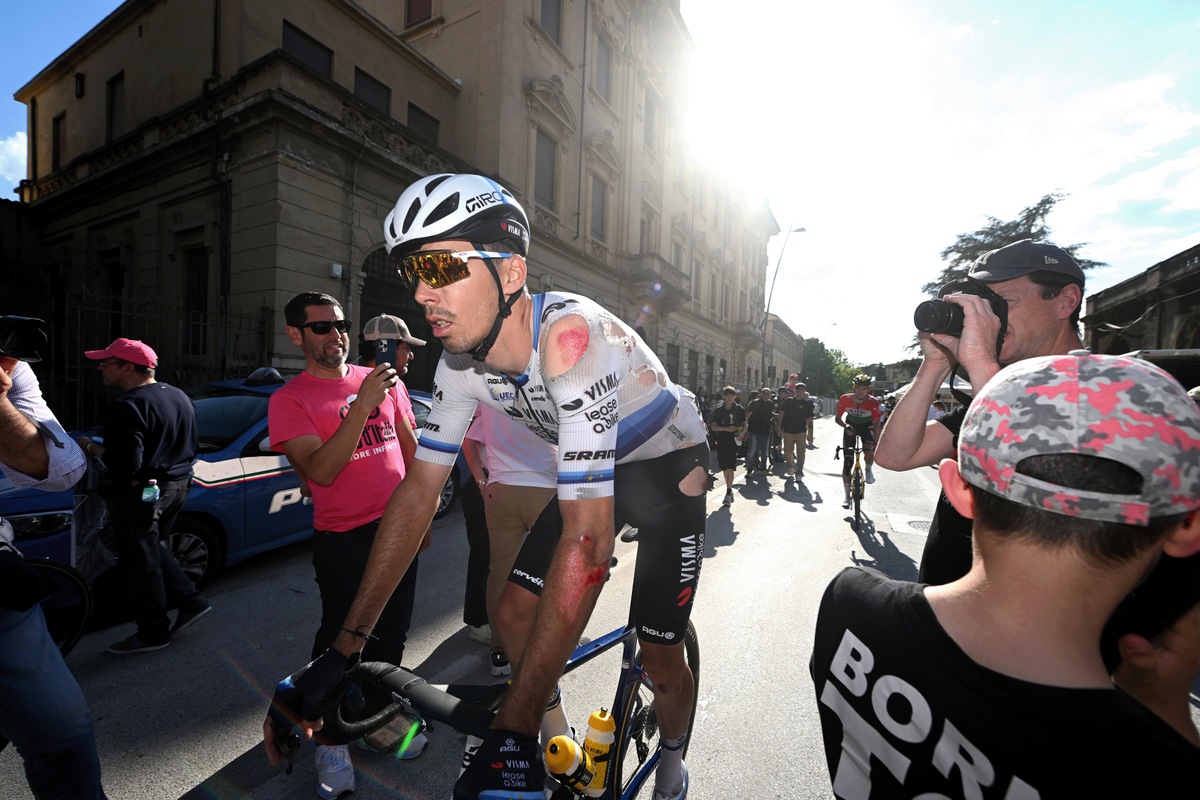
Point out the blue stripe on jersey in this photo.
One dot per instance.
(638, 428)
(430, 443)
(538, 301)
(591, 476)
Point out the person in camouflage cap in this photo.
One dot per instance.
(1122, 409)
(1081, 473)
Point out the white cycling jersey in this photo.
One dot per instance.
(616, 405)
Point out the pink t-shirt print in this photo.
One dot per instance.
(314, 406)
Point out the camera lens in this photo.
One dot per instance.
(938, 316)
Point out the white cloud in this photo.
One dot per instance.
(12, 158)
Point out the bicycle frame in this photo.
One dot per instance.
(470, 708)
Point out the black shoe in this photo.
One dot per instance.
(184, 621)
(135, 645)
(500, 667)
(630, 535)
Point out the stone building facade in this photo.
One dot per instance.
(192, 166)
(1158, 309)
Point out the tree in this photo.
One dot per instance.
(826, 372)
(1029, 224)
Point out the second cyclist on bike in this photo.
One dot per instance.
(859, 413)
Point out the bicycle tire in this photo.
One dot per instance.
(69, 608)
(637, 727)
(856, 490)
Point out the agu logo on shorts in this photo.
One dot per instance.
(684, 596)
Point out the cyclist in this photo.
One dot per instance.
(862, 416)
(631, 446)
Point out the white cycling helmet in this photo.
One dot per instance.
(468, 207)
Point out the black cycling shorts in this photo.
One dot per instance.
(670, 527)
(866, 433)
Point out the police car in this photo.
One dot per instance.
(245, 497)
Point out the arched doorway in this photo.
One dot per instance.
(384, 292)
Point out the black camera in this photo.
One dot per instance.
(938, 316)
(20, 338)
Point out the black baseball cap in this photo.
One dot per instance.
(1023, 257)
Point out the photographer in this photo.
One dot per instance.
(42, 708)
(1039, 289)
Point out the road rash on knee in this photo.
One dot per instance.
(695, 483)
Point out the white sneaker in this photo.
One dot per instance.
(335, 773)
(870, 476)
(480, 633)
(846, 503)
(680, 793)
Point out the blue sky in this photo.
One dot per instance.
(887, 128)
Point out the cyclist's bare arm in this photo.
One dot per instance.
(909, 441)
(573, 582)
(401, 531)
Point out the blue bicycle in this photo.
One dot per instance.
(470, 708)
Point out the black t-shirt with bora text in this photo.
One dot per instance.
(906, 713)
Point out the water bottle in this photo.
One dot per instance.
(569, 763)
(598, 743)
(151, 494)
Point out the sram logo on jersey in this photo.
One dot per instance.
(588, 455)
(483, 200)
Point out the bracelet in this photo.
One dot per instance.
(88, 449)
(366, 637)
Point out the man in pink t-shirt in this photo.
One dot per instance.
(349, 432)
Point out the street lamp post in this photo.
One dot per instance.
(770, 296)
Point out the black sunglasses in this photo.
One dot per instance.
(323, 326)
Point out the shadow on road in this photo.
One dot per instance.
(720, 532)
(881, 553)
(794, 491)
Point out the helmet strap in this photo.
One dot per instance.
(480, 353)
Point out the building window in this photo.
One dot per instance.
(372, 92)
(543, 181)
(724, 302)
(672, 362)
(708, 373)
(650, 117)
(551, 19)
(80, 84)
(693, 370)
(722, 373)
(648, 235)
(712, 292)
(307, 50)
(603, 70)
(742, 309)
(599, 197)
(677, 256)
(195, 301)
(58, 142)
(423, 124)
(696, 283)
(116, 107)
(417, 11)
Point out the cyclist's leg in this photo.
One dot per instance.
(868, 440)
(517, 605)
(664, 497)
(511, 511)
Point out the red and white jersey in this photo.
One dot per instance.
(860, 414)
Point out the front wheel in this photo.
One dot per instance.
(637, 731)
(856, 491)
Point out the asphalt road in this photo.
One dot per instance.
(185, 722)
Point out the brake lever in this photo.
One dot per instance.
(287, 741)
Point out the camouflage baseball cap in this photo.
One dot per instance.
(1123, 409)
